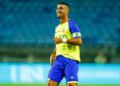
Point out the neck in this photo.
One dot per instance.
(63, 20)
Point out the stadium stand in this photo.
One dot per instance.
(32, 22)
(28, 21)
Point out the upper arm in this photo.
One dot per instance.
(75, 30)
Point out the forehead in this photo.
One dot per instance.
(60, 5)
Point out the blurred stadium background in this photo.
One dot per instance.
(26, 34)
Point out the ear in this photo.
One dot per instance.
(67, 11)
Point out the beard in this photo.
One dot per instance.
(61, 17)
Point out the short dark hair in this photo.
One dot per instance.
(64, 4)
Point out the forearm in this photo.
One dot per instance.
(53, 53)
(76, 41)
(52, 58)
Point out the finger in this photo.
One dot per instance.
(54, 41)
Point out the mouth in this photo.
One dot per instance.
(59, 13)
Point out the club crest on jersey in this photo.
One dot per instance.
(72, 77)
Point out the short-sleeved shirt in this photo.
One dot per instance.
(68, 30)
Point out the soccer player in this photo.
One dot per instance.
(66, 55)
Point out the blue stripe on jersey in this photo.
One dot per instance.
(73, 27)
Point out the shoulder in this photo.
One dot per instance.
(72, 23)
(73, 27)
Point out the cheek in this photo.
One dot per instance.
(56, 11)
(64, 12)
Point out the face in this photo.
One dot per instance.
(62, 11)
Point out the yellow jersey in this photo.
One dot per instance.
(69, 30)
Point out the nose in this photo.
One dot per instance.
(58, 10)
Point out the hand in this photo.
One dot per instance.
(57, 40)
(52, 59)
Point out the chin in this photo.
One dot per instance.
(59, 17)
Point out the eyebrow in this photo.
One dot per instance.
(59, 7)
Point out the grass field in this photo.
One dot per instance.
(45, 85)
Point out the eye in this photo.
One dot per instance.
(61, 8)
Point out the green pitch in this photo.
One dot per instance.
(45, 85)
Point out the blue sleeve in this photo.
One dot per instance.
(74, 29)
